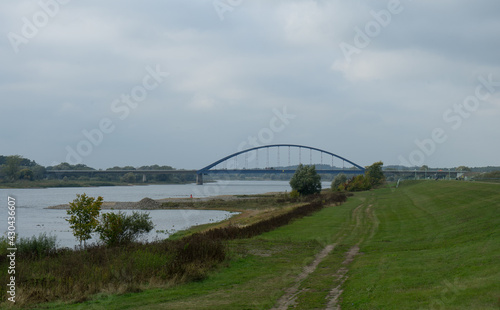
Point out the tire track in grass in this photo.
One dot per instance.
(291, 293)
(371, 224)
(341, 276)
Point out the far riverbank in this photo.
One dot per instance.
(75, 183)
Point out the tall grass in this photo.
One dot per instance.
(75, 275)
(32, 247)
(40, 246)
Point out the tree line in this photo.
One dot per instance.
(16, 168)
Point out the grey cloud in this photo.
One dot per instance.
(227, 76)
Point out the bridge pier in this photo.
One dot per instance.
(199, 179)
(144, 179)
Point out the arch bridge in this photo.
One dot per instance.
(279, 159)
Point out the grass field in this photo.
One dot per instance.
(424, 245)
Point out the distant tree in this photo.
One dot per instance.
(128, 177)
(38, 172)
(463, 168)
(306, 180)
(11, 167)
(337, 181)
(424, 167)
(152, 167)
(27, 162)
(66, 166)
(84, 214)
(61, 166)
(122, 168)
(374, 173)
(163, 177)
(156, 167)
(114, 168)
(119, 228)
(26, 174)
(358, 183)
(80, 167)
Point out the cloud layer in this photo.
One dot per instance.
(379, 101)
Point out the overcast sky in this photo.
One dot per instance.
(184, 83)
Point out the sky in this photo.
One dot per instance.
(185, 83)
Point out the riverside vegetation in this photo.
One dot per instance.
(423, 245)
(45, 273)
(19, 172)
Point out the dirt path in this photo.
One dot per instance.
(340, 277)
(364, 224)
(367, 225)
(291, 294)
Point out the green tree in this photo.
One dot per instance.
(128, 178)
(11, 168)
(84, 214)
(358, 183)
(463, 168)
(26, 174)
(38, 172)
(374, 173)
(306, 180)
(119, 228)
(337, 181)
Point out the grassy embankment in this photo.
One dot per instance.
(424, 245)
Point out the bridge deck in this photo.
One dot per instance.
(120, 171)
(277, 171)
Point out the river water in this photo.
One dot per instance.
(32, 217)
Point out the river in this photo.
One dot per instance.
(32, 217)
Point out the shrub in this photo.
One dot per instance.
(338, 181)
(358, 183)
(294, 194)
(4, 244)
(119, 228)
(36, 247)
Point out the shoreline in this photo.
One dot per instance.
(77, 183)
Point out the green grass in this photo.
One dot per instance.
(424, 245)
(437, 247)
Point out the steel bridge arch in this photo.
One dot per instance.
(207, 168)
